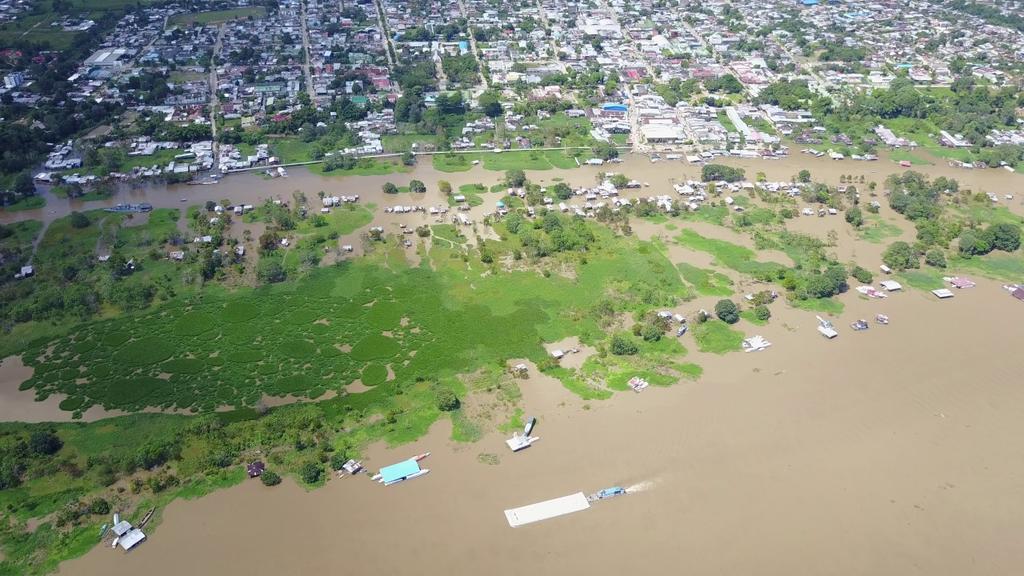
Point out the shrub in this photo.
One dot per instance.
(727, 312)
(311, 472)
(270, 478)
(863, 276)
(417, 186)
(447, 401)
(1005, 237)
(338, 460)
(762, 313)
(623, 345)
(855, 217)
(79, 220)
(935, 258)
(389, 188)
(651, 332)
(900, 256)
(269, 271)
(44, 442)
(99, 507)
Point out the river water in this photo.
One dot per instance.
(891, 451)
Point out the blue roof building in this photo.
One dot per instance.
(399, 471)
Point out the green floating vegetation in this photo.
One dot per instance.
(734, 256)
(1000, 266)
(927, 279)
(826, 305)
(706, 282)
(877, 230)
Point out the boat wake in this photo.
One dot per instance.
(640, 486)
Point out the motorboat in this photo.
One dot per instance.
(882, 319)
(607, 493)
(860, 325)
(826, 329)
(529, 426)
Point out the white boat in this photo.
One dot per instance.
(520, 441)
(116, 541)
(638, 384)
(882, 319)
(529, 426)
(826, 329)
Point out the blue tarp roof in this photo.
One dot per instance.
(399, 471)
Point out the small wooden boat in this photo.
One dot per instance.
(420, 456)
(146, 518)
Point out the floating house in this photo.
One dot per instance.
(402, 471)
(126, 536)
(755, 344)
(891, 285)
(943, 293)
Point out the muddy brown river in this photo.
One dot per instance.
(891, 451)
(894, 451)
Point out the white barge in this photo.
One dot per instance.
(547, 509)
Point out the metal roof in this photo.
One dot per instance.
(399, 471)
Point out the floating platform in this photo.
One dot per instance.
(547, 509)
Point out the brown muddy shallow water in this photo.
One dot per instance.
(892, 451)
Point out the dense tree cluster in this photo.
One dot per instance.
(721, 172)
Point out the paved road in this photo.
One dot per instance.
(305, 56)
(214, 100)
(472, 45)
(385, 32)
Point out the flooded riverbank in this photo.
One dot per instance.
(885, 452)
(254, 188)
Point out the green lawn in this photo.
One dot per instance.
(472, 193)
(216, 16)
(724, 120)
(717, 337)
(29, 203)
(364, 167)
(404, 142)
(827, 305)
(926, 278)
(876, 230)
(901, 155)
(507, 160)
(997, 265)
